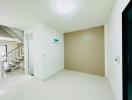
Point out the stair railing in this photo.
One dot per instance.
(10, 58)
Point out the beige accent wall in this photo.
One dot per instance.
(84, 50)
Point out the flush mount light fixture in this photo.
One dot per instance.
(65, 6)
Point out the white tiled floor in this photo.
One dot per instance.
(13, 79)
(66, 85)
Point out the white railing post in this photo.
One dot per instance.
(2, 72)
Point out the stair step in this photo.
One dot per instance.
(8, 70)
(13, 66)
(16, 61)
(20, 59)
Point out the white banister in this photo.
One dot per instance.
(12, 58)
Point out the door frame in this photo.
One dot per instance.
(28, 39)
(125, 50)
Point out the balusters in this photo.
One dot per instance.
(12, 57)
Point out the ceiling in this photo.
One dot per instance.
(23, 14)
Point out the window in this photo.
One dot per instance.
(3, 51)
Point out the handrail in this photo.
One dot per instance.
(11, 52)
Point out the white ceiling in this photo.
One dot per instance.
(26, 13)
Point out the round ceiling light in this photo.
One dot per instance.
(65, 6)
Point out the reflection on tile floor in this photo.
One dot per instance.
(66, 85)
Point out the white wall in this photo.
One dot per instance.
(48, 57)
(113, 39)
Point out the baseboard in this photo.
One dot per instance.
(109, 83)
(52, 75)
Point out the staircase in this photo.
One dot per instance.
(18, 34)
(12, 61)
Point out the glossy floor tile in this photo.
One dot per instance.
(65, 85)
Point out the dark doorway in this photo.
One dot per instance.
(127, 52)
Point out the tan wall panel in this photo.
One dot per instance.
(84, 50)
